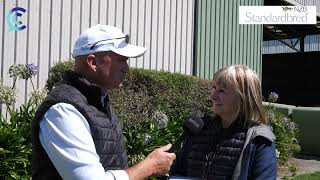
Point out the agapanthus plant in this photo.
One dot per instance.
(20, 71)
(285, 131)
(15, 125)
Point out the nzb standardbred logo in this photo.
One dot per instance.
(11, 18)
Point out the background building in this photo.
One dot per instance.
(193, 37)
(291, 59)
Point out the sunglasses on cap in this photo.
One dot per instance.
(126, 39)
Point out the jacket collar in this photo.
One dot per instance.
(90, 90)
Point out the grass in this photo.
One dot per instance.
(311, 176)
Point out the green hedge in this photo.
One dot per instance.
(56, 72)
(152, 106)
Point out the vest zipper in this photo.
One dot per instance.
(207, 165)
(211, 155)
(209, 161)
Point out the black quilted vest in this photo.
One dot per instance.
(213, 153)
(106, 129)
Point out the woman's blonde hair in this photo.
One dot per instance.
(247, 86)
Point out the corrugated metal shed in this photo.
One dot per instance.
(220, 40)
(165, 27)
(311, 33)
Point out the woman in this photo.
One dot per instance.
(234, 143)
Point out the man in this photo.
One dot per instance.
(76, 135)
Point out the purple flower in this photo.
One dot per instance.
(285, 120)
(147, 138)
(270, 117)
(292, 125)
(32, 69)
(273, 97)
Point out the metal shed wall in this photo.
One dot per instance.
(220, 40)
(165, 27)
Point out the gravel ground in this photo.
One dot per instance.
(304, 164)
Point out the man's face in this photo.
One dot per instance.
(111, 70)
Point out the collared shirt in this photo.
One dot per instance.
(66, 137)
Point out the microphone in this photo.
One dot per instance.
(192, 126)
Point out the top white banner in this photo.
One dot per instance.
(277, 15)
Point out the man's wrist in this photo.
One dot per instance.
(141, 170)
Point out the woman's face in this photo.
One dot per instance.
(224, 101)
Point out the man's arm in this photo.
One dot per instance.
(66, 137)
(157, 163)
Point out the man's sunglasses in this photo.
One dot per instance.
(126, 38)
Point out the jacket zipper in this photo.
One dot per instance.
(210, 157)
(208, 165)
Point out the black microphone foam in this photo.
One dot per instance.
(192, 126)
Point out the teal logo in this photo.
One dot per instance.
(11, 18)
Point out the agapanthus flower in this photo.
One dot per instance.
(277, 153)
(7, 95)
(32, 69)
(17, 71)
(285, 120)
(147, 138)
(161, 119)
(270, 117)
(37, 96)
(273, 97)
(291, 125)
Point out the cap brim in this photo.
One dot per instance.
(130, 51)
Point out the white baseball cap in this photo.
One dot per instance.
(105, 38)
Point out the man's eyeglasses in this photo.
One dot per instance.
(126, 39)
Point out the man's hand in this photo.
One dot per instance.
(161, 160)
(157, 163)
